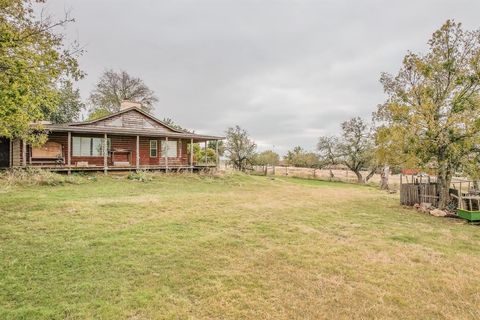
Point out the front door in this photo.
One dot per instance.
(4, 152)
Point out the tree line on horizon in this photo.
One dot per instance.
(430, 119)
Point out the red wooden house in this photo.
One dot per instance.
(126, 140)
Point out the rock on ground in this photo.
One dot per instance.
(438, 213)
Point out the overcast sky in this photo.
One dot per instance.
(287, 71)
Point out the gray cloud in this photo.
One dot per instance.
(287, 71)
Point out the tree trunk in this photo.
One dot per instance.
(370, 174)
(384, 175)
(359, 176)
(331, 174)
(444, 179)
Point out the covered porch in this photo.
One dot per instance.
(79, 150)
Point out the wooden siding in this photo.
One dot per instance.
(16, 153)
(145, 159)
(125, 143)
(130, 119)
(117, 143)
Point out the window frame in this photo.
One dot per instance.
(167, 148)
(153, 149)
(91, 146)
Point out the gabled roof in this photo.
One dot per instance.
(146, 114)
(93, 126)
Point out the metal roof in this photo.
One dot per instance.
(127, 131)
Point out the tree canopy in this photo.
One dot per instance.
(431, 117)
(239, 148)
(354, 148)
(175, 125)
(298, 157)
(69, 105)
(34, 60)
(114, 87)
(267, 158)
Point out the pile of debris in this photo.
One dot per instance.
(426, 207)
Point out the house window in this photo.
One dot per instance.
(153, 148)
(88, 146)
(170, 149)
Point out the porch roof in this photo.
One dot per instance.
(128, 132)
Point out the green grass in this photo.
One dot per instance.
(238, 247)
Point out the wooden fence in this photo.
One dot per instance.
(412, 193)
(423, 189)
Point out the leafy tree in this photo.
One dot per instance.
(240, 149)
(221, 147)
(174, 125)
(97, 114)
(327, 152)
(298, 157)
(295, 157)
(199, 153)
(266, 158)
(69, 107)
(33, 62)
(115, 87)
(354, 148)
(312, 160)
(471, 168)
(432, 114)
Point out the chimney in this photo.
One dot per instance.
(129, 104)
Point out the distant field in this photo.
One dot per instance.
(339, 175)
(235, 247)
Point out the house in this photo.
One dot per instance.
(130, 139)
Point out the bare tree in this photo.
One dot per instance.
(115, 87)
(240, 149)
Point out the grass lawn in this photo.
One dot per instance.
(239, 247)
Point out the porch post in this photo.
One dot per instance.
(206, 156)
(10, 156)
(105, 153)
(217, 157)
(166, 154)
(69, 148)
(24, 153)
(137, 153)
(191, 155)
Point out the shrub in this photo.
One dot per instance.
(140, 175)
(35, 176)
